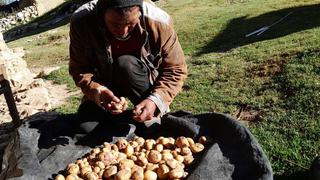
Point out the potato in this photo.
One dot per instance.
(92, 157)
(133, 158)
(196, 148)
(134, 144)
(164, 141)
(188, 159)
(166, 151)
(124, 174)
(150, 175)
(203, 140)
(167, 156)
(151, 166)
(91, 176)
(176, 173)
(96, 169)
(117, 105)
(175, 153)
(115, 153)
(104, 149)
(172, 163)
(107, 158)
(136, 112)
(110, 171)
(186, 151)
(125, 163)
(143, 154)
(129, 150)
(137, 175)
(172, 140)
(95, 150)
(59, 177)
(142, 161)
(149, 145)
(100, 174)
(122, 143)
(73, 169)
(182, 142)
(163, 171)
(100, 164)
(114, 147)
(137, 149)
(140, 141)
(154, 156)
(159, 147)
(121, 156)
(72, 177)
(107, 145)
(179, 158)
(85, 169)
(159, 139)
(190, 141)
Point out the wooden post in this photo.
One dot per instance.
(6, 90)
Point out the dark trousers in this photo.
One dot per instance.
(129, 79)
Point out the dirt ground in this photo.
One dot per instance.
(57, 96)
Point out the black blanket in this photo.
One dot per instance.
(44, 146)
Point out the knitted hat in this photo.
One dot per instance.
(103, 5)
(122, 3)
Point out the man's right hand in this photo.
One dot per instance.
(105, 98)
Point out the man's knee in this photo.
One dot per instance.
(126, 63)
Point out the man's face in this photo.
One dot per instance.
(120, 25)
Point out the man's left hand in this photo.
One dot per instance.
(144, 111)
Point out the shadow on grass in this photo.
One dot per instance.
(301, 175)
(281, 23)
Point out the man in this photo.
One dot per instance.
(125, 48)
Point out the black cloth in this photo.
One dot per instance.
(233, 154)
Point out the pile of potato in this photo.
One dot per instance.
(139, 159)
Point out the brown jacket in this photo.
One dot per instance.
(90, 52)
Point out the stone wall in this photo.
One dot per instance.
(25, 15)
(43, 6)
(30, 93)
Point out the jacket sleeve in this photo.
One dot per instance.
(172, 69)
(79, 66)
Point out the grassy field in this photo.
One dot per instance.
(274, 77)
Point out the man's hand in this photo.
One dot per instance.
(105, 98)
(117, 107)
(144, 111)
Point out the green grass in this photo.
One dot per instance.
(276, 73)
(61, 76)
